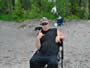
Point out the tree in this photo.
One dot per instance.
(86, 9)
(79, 2)
(13, 3)
(3, 6)
(27, 4)
(67, 7)
(9, 6)
(60, 5)
(89, 6)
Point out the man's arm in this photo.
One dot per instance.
(38, 44)
(59, 36)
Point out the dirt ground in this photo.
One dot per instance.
(17, 43)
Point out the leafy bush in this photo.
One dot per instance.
(72, 17)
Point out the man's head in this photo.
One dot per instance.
(44, 23)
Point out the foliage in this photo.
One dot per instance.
(61, 7)
(19, 10)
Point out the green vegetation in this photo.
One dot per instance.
(20, 10)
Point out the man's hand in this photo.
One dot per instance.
(40, 35)
(57, 39)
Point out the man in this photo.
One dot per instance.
(47, 46)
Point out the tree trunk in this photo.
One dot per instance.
(21, 3)
(89, 6)
(67, 8)
(9, 7)
(13, 3)
(27, 4)
(79, 2)
(86, 9)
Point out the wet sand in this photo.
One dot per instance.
(17, 44)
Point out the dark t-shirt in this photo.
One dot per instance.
(48, 45)
(45, 32)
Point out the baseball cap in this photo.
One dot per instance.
(44, 20)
